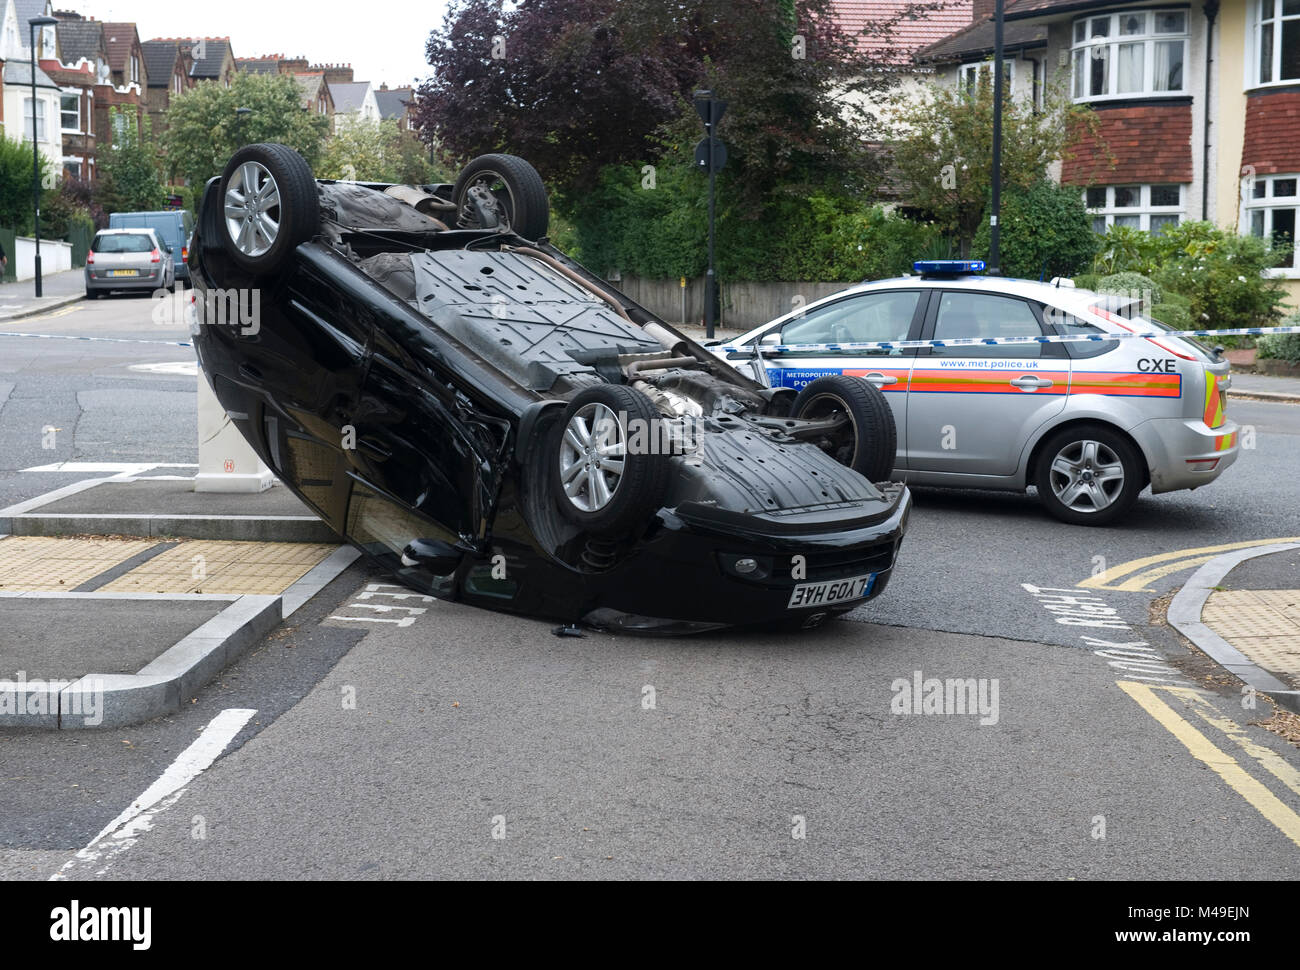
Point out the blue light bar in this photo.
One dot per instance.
(952, 266)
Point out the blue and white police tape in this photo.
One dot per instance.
(1071, 338)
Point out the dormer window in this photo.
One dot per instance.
(1133, 54)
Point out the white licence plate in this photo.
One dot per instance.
(833, 591)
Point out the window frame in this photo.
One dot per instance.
(1268, 204)
(1255, 41)
(971, 74)
(1144, 210)
(75, 93)
(1111, 42)
(1046, 351)
(42, 122)
(918, 312)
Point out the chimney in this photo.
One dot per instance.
(981, 10)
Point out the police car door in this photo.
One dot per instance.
(871, 317)
(971, 409)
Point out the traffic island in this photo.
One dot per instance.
(1243, 610)
(123, 598)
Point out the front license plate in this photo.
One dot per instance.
(833, 591)
(123, 272)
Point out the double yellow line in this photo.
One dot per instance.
(1218, 760)
(1141, 572)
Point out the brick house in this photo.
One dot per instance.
(167, 66)
(82, 62)
(1199, 104)
(316, 94)
(126, 85)
(396, 104)
(214, 60)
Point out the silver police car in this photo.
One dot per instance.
(1089, 424)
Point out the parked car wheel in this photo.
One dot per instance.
(867, 441)
(1089, 475)
(599, 482)
(518, 188)
(270, 206)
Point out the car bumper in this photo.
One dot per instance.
(683, 578)
(150, 281)
(1186, 453)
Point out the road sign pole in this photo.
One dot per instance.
(710, 154)
(710, 280)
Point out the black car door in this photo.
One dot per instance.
(420, 439)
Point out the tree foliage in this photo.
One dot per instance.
(580, 84)
(377, 151)
(16, 183)
(128, 169)
(204, 129)
(1045, 232)
(944, 150)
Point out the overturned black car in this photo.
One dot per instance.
(492, 423)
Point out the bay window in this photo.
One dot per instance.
(1134, 54)
(1272, 203)
(1277, 41)
(1147, 207)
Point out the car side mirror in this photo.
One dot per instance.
(770, 340)
(436, 556)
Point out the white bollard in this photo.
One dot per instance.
(227, 463)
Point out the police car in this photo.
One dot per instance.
(1089, 423)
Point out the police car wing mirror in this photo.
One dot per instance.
(769, 340)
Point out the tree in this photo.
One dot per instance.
(575, 85)
(945, 154)
(1046, 232)
(16, 183)
(128, 170)
(377, 151)
(204, 130)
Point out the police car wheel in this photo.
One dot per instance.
(1088, 475)
(868, 442)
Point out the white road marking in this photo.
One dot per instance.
(183, 368)
(404, 621)
(123, 831)
(105, 467)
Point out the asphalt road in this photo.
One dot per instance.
(471, 744)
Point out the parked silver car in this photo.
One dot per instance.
(128, 259)
(1089, 424)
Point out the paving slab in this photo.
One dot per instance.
(175, 496)
(63, 638)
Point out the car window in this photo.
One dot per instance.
(1064, 322)
(122, 243)
(866, 318)
(985, 315)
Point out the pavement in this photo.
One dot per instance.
(18, 300)
(1266, 387)
(137, 590)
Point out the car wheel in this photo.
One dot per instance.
(1089, 475)
(600, 484)
(867, 441)
(270, 205)
(519, 191)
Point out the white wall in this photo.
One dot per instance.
(56, 257)
(16, 116)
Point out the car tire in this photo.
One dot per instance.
(606, 500)
(291, 206)
(869, 444)
(1089, 475)
(518, 188)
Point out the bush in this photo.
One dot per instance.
(1130, 283)
(1046, 232)
(1213, 276)
(1281, 346)
(661, 232)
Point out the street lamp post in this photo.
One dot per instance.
(32, 24)
(995, 256)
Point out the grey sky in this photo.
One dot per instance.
(389, 47)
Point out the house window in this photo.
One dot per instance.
(1271, 209)
(1148, 207)
(72, 169)
(1277, 41)
(135, 69)
(1134, 54)
(176, 83)
(40, 119)
(973, 74)
(119, 128)
(70, 112)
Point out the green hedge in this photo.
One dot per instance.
(1045, 232)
